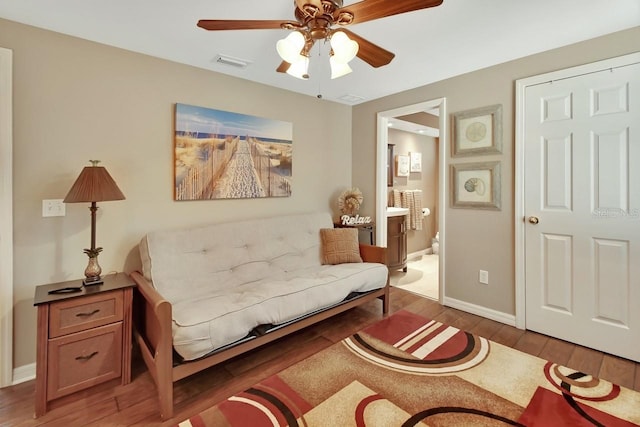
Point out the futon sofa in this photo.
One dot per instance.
(206, 294)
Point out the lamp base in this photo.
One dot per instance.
(92, 272)
(90, 281)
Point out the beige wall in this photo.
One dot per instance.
(76, 100)
(478, 239)
(427, 181)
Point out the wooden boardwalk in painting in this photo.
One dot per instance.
(232, 168)
(239, 179)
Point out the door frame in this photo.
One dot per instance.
(382, 138)
(520, 214)
(6, 219)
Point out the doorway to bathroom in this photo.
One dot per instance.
(411, 179)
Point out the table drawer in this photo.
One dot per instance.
(79, 314)
(84, 359)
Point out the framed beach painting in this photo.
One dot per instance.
(226, 155)
(477, 131)
(476, 185)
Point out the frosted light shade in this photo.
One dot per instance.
(338, 69)
(299, 68)
(344, 49)
(289, 48)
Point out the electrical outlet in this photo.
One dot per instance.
(483, 277)
(53, 207)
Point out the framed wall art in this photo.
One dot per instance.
(477, 131)
(416, 162)
(476, 185)
(226, 155)
(402, 165)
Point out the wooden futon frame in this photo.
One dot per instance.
(153, 331)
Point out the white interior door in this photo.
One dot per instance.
(582, 208)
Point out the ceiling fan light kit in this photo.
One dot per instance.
(294, 50)
(315, 20)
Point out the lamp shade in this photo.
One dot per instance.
(94, 185)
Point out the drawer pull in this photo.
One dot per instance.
(88, 314)
(87, 357)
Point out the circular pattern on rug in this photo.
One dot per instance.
(460, 352)
(452, 410)
(580, 385)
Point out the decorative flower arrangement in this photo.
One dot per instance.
(349, 201)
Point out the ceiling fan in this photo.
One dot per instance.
(317, 20)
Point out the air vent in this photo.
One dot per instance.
(231, 61)
(351, 98)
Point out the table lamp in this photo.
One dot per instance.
(93, 185)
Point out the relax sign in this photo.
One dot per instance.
(355, 220)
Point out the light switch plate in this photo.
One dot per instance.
(53, 207)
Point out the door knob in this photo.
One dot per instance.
(534, 219)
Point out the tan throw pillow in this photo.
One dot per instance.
(340, 245)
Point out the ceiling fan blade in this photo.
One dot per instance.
(283, 67)
(370, 53)
(222, 24)
(368, 10)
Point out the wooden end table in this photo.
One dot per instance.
(83, 337)
(368, 230)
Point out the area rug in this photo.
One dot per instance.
(410, 371)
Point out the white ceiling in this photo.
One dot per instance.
(430, 45)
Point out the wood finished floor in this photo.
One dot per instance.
(136, 404)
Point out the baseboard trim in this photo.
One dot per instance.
(498, 316)
(24, 373)
(419, 254)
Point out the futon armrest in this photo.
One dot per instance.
(154, 337)
(150, 294)
(370, 253)
(155, 322)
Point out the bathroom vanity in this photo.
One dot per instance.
(397, 238)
